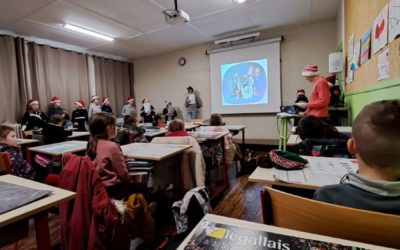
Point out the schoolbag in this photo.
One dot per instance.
(189, 211)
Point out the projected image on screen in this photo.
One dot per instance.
(244, 83)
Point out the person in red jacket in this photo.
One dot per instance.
(320, 93)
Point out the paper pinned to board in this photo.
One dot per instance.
(383, 65)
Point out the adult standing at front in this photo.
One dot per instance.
(320, 94)
(192, 103)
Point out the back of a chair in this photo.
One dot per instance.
(5, 163)
(294, 212)
(193, 160)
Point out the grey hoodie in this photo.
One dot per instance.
(358, 192)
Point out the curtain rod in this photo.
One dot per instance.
(246, 45)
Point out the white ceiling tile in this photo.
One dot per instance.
(7, 20)
(59, 13)
(223, 23)
(326, 9)
(272, 13)
(195, 8)
(179, 35)
(37, 30)
(21, 8)
(148, 45)
(141, 15)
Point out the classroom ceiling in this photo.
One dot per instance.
(139, 27)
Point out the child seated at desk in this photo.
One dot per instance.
(54, 131)
(130, 124)
(177, 128)
(216, 126)
(107, 155)
(159, 121)
(20, 167)
(320, 139)
(376, 143)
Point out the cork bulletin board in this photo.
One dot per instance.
(359, 17)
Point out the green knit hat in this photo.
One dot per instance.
(285, 160)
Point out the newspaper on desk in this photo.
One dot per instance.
(319, 171)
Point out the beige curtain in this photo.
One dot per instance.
(114, 80)
(57, 72)
(11, 102)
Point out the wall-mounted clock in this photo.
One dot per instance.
(182, 61)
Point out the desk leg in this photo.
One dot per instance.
(243, 150)
(42, 231)
(284, 139)
(280, 127)
(28, 155)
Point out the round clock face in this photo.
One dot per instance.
(182, 61)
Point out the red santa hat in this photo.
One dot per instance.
(310, 70)
(105, 99)
(80, 102)
(130, 99)
(145, 100)
(33, 102)
(301, 91)
(55, 99)
(94, 97)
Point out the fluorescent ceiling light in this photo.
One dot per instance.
(88, 32)
(240, 1)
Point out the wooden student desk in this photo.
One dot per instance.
(26, 141)
(37, 209)
(152, 151)
(167, 169)
(283, 120)
(207, 136)
(58, 149)
(272, 229)
(79, 134)
(341, 129)
(302, 179)
(203, 137)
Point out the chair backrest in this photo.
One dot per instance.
(192, 165)
(5, 163)
(295, 212)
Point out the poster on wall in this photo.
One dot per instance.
(350, 51)
(380, 30)
(394, 19)
(349, 78)
(365, 45)
(356, 54)
(383, 65)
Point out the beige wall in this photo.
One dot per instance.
(161, 78)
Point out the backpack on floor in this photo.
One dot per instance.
(189, 211)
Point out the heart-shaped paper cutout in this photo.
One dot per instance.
(379, 29)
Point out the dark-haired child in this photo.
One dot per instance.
(376, 143)
(107, 155)
(54, 132)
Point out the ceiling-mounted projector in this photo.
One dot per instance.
(176, 16)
